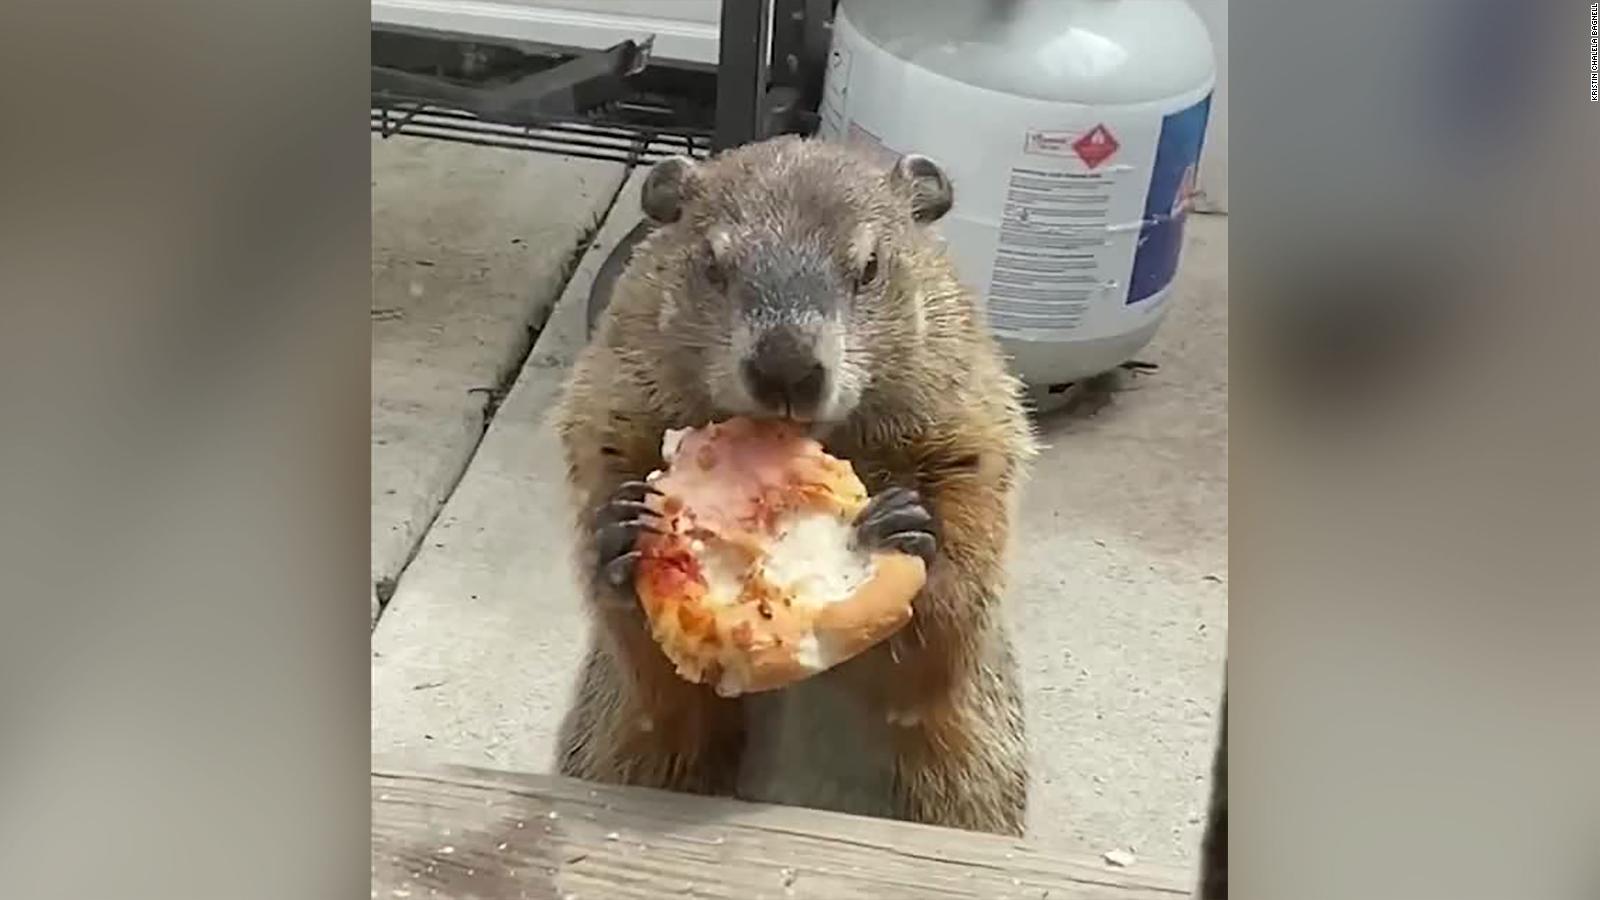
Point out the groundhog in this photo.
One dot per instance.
(795, 278)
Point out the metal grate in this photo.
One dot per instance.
(617, 143)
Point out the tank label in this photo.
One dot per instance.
(1045, 274)
(1166, 207)
(1096, 147)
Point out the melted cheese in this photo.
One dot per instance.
(808, 652)
(670, 442)
(812, 556)
(723, 572)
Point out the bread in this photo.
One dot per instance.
(750, 579)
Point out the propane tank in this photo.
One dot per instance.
(1072, 132)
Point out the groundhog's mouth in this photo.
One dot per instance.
(818, 429)
(833, 410)
(810, 420)
(802, 422)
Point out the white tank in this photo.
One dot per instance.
(1072, 131)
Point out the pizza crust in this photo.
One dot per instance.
(871, 614)
(753, 582)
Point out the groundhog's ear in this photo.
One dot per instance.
(672, 181)
(931, 192)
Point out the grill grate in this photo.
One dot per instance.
(616, 143)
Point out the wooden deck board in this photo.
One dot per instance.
(470, 833)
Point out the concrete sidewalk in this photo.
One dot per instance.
(470, 248)
(1119, 588)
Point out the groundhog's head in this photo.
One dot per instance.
(786, 264)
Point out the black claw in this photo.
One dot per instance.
(634, 490)
(891, 498)
(621, 510)
(897, 520)
(616, 538)
(618, 524)
(916, 543)
(893, 520)
(619, 570)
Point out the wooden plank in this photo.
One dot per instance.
(463, 832)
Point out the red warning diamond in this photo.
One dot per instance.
(1095, 147)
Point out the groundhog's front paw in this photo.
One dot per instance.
(897, 520)
(617, 525)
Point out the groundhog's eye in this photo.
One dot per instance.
(869, 272)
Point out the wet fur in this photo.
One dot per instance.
(926, 727)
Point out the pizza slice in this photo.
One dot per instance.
(751, 580)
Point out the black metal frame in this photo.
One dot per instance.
(630, 146)
(612, 104)
(570, 87)
(802, 32)
(600, 105)
(770, 64)
(743, 52)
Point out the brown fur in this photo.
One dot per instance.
(937, 412)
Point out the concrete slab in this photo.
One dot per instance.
(1119, 579)
(470, 247)
(474, 657)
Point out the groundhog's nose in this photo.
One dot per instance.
(785, 376)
